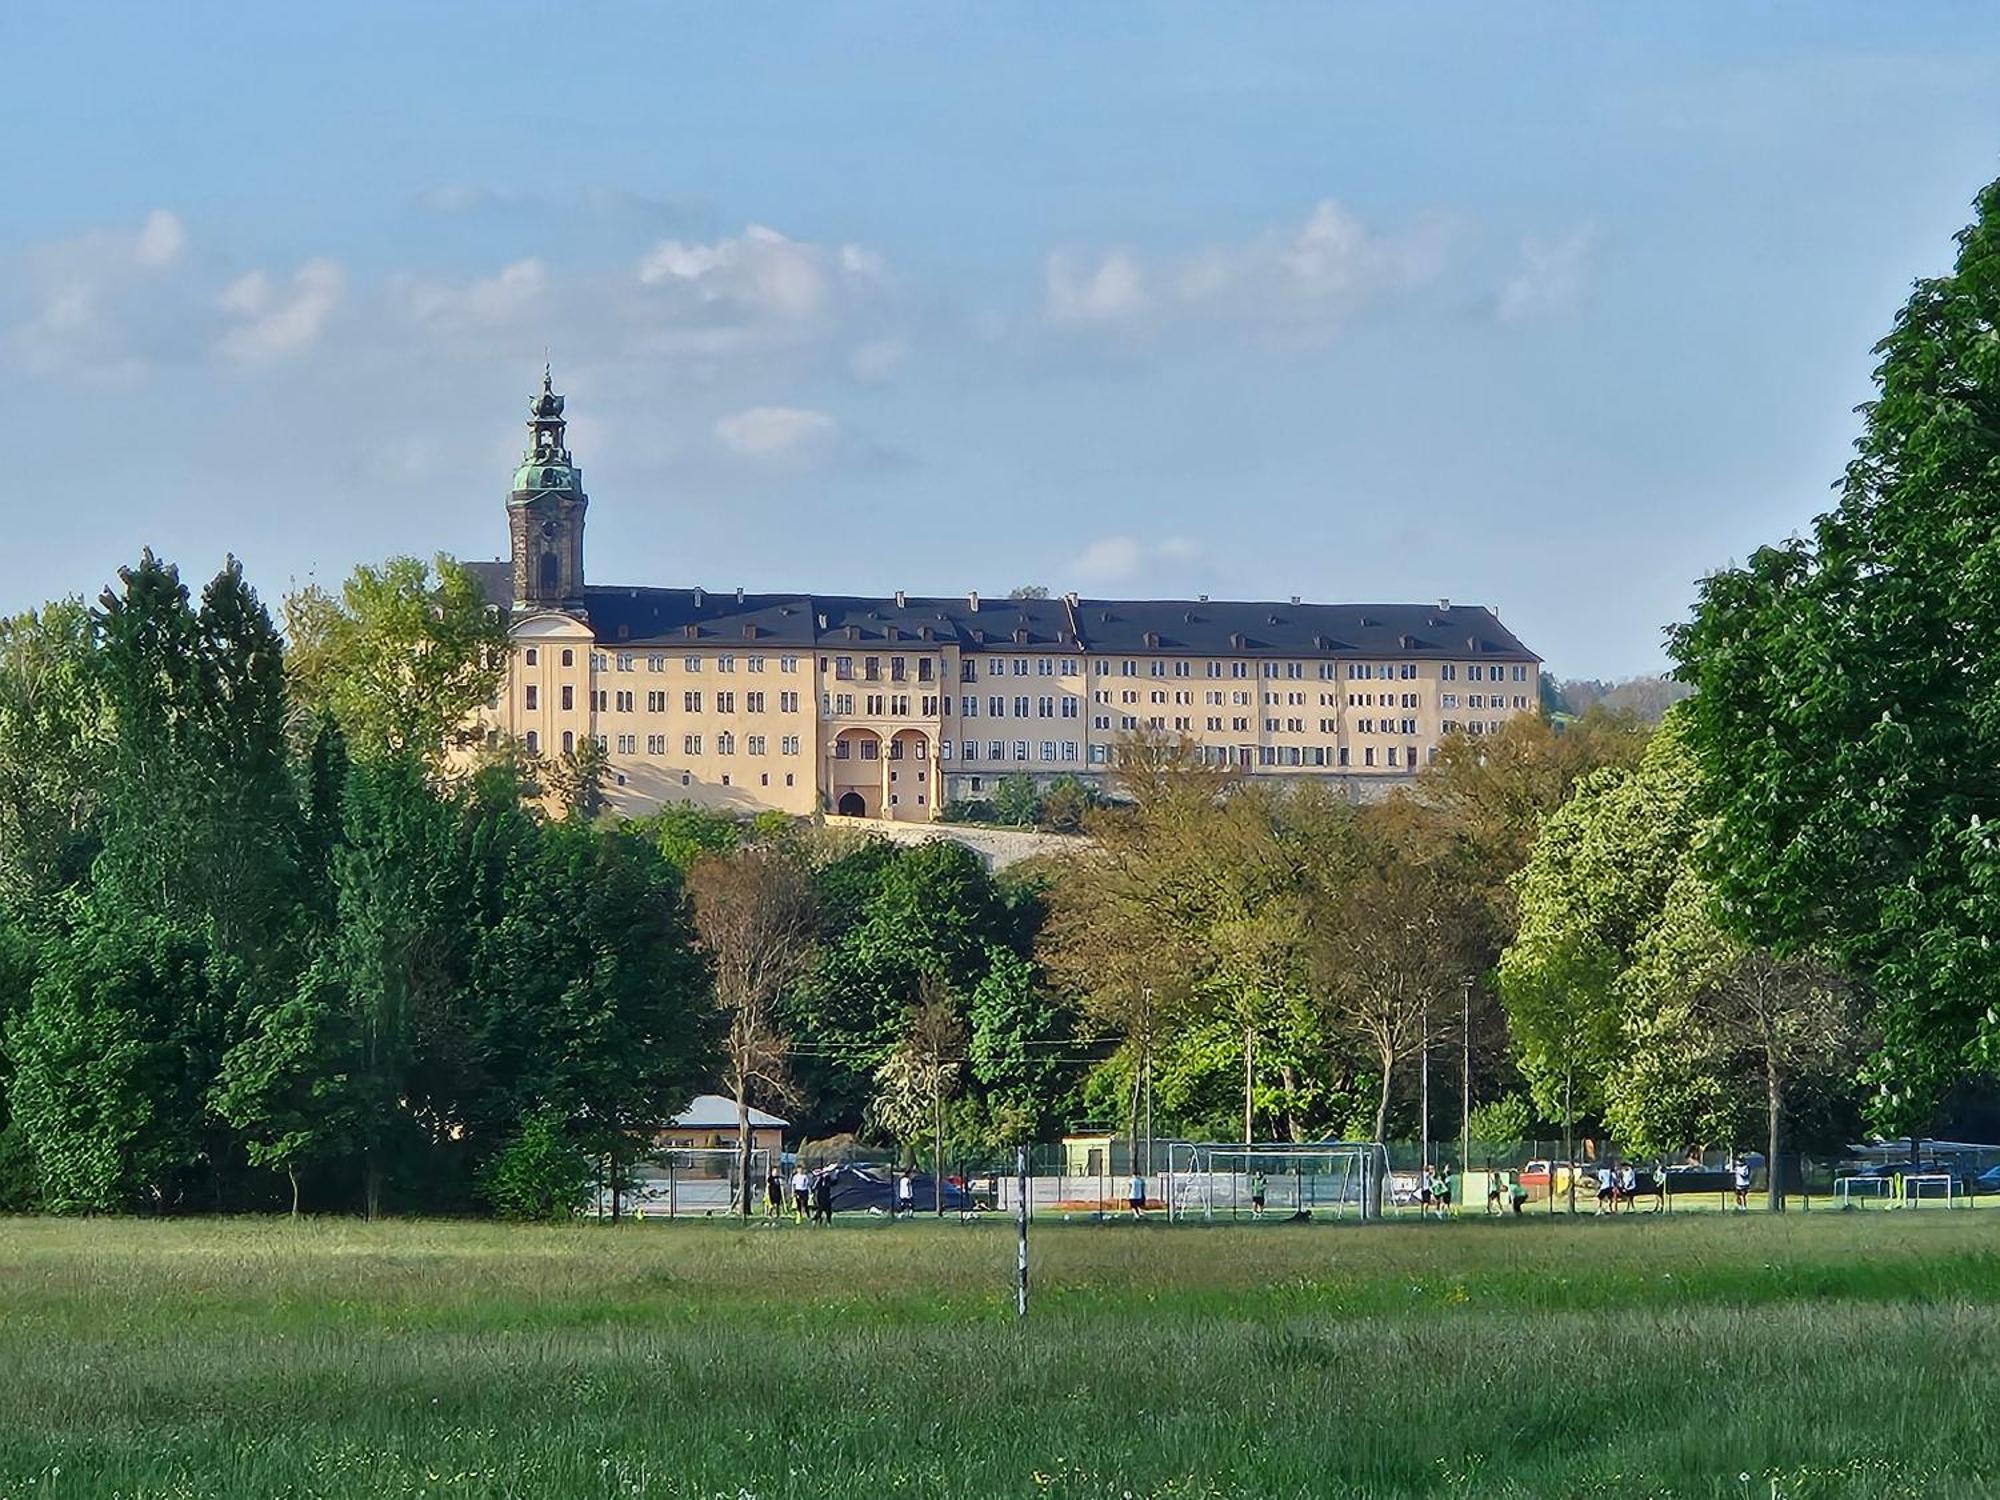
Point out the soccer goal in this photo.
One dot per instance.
(1930, 1187)
(1847, 1189)
(1215, 1181)
(696, 1182)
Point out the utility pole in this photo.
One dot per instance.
(1465, 1085)
(1146, 1066)
(1424, 1091)
(1249, 1086)
(937, 1137)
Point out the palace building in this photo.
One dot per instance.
(891, 707)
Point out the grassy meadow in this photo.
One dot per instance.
(1820, 1354)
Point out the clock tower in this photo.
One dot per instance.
(545, 513)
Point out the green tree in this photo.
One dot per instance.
(401, 658)
(921, 1075)
(289, 1084)
(575, 779)
(1017, 802)
(1846, 703)
(1018, 1033)
(892, 918)
(113, 1057)
(754, 919)
(55, 744)
(540, 1176)
(152, 677)
(589, 998)
(245, 835)
(684, 833)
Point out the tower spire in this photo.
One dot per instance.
(546, 508)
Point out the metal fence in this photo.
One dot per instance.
(1326, 1182)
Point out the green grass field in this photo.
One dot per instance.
(1818, 1355)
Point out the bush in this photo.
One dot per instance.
(968, 810)
(539, 1175)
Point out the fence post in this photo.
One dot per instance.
(1021, 1218)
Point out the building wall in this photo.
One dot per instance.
(904, 727)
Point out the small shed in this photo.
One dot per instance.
(709, 1124)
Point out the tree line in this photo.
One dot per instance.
(275, 929)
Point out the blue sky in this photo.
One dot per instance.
(1552, 308)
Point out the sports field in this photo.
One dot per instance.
(1817, 1355)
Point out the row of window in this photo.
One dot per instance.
(627, 661)
(625, 701)
(996, 750)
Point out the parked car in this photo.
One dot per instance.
(1542, 1173)
(1987, 1181)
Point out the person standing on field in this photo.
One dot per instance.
(906, 1195)
(823, 1196)
(1496, 1185)
(1742, 1185)
(774, 1194)
(1137, 1201)
(801, 1192)
(1257, 1187)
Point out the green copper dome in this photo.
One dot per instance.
(541, 474)
(546, 467)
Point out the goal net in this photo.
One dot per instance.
(1930, 1187)
(1847, 1190)
(1278, 1182)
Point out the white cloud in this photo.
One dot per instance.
(96, 309)
(1121, 559)
(1552, 279)
(745, 294)
(877, 359)
(1110, 559)
(272, 322)
(760, 270)
(508, 302)
(161, 241)
(1297, 285)
(1112, 290)
(785, 433)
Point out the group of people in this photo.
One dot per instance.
(811, 1195)
(1505, 1190)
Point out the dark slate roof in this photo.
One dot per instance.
(1225, 627)
(1194, 627)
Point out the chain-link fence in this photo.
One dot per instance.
(1101, 1178)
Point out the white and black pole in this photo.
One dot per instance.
(1021, 1219)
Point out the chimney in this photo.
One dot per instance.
(1071, 598)
(698, 597)
(1444, 604)
(1201, 598)
(1295, 599)
(972, 603)
(739, 593)
(901, 602)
